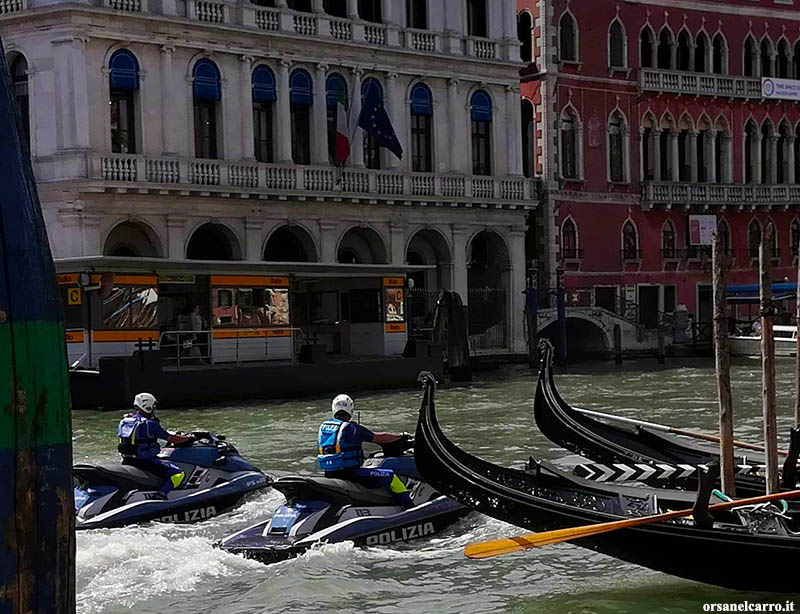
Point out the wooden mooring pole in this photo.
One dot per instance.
(797, 353)
(768, 361)
(723, 367)
(37, 514)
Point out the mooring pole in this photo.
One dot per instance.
(37, 514)
(617, 344)
(768, 362)
(561, 321)
(723, 367)
(532, 311)
(797, 353)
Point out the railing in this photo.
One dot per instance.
(421, 40)
(209, 12)
(671, 253)
(12, 6)
(375, 35)
(571, 253)
(631, 254)
(128, 168)
(268, 19)
(680, 82)
(673, 192)
(341, 29)
(129, 6)
(196, 348)
(305, 25)
(483, 48)
(698, 252)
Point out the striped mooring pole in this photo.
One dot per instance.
(37, 513)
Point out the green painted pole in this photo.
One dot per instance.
(37, 515)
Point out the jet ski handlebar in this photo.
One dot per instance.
(398, 447)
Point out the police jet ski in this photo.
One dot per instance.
(217, 478)
(326, 510)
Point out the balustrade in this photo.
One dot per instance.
(679, 82)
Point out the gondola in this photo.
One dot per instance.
(746, 551)
(606, 443)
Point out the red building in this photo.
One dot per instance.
(639, 116)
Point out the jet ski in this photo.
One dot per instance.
(217, 478)
(326, 510)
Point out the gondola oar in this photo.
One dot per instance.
(483, 550)
(669, 429)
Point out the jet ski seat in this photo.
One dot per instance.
(125, 477)
(334, 490)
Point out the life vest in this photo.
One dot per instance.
(335, 454)
(131, 443)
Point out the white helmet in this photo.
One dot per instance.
(342, 403)
(145, 402)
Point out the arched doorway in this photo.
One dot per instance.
(487, 290)
(132, 240)
(213, 242)
(427, 247)
(290, 244)
(585, 339)
(361, 246)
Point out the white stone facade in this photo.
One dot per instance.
(167, 193)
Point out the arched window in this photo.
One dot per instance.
(752, 152)
(570, 145)
(646, 47)
(264, 97)
(123, 82)
(417, 14)
(753, 238)
(719, 55)
(301, 97)
(528, 138)
(421, 129)
(750, 60)
(568, 38)
(481, 122)
(766, 52)
(796, 63)
(724, 236)
(372, 148)
(617, 149)
(207, 91)
(338, 129)
(476, 18)
(525, 36)
(617, 56)
(684, 50)
(701, 53)
(794, 237)
(669, 248)
(630, 242)
(664, 53)
(782, 152)
(19, 80)
(767, 162)
(569, 240)
(784, 60)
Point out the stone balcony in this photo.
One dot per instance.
(668, 193)
(256, 180)
(699, 84)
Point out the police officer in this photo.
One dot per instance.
(340, 453)
(138, 443)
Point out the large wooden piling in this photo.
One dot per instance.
(768, 362)
(797, 353)
(37, 515)
(723, 367)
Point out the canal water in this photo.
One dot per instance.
(174, 568)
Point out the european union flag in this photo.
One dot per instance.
(374, 120)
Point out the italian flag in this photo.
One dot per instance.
(342, 147)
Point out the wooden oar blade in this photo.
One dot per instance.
(495, 547)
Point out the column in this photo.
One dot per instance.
(252, 239)
(92, 245)
(352, 9)
(394, 103)
(72, 103)
(673, 148)
(756, 157)
(517, 276)
(773, 159)
(176, 237)
(357, 146)
(513, 132)
(327, 240)
(727, 158)
(460, 261)
(317, 6)
(655, 141)
(283, 123)
(790, 161)
(246, 76)
(168, 123)
(693, 156)
(319, 131)
(455, 109)
(711, 155)
(397, 233)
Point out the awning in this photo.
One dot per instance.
(749, 293)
